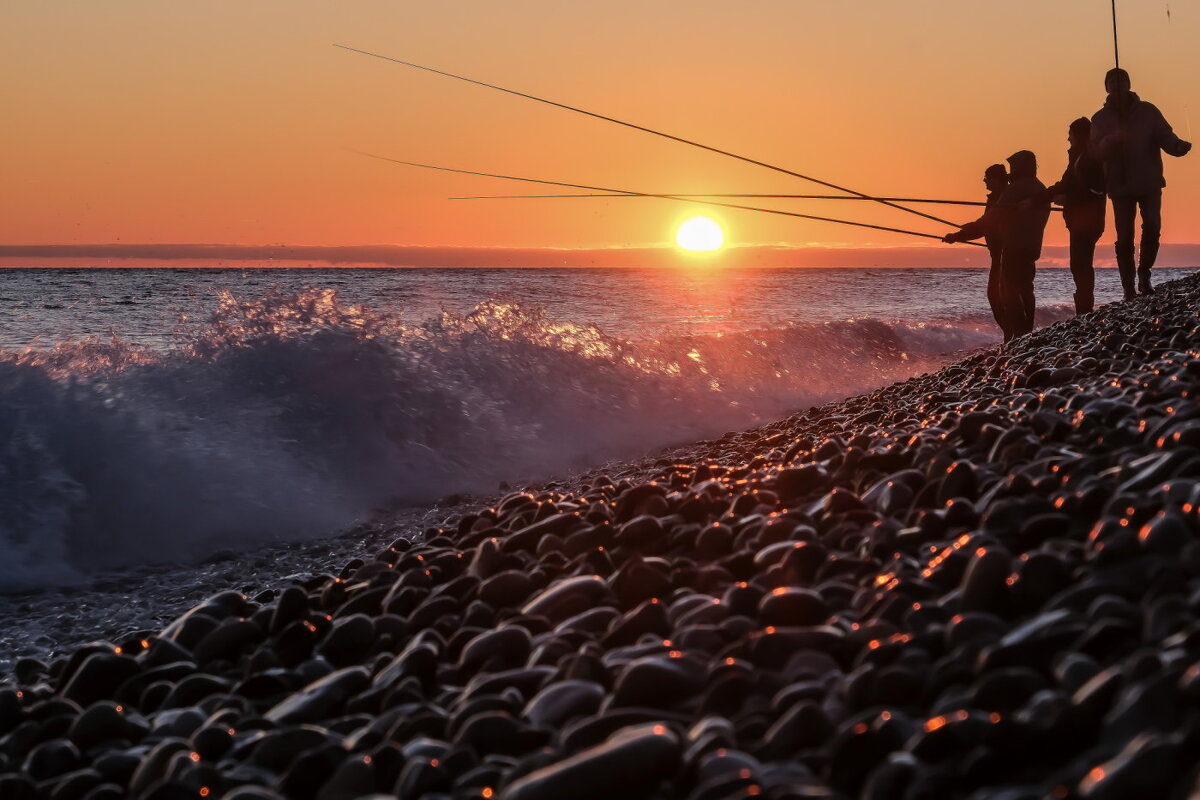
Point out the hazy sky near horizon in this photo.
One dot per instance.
(233, 122)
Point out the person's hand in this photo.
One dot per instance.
(949, 238)
(1185, 148)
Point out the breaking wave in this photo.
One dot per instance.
(289, 416)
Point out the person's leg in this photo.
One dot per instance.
(1124, 210)
(1083, 252)
(1017, 288)
(995, 296)
(1024, 295)
(1151, 206)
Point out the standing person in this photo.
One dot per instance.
(1081, 192)
(1025, 210)
(995, 179)
(1129, 136)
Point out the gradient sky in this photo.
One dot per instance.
(231, 122)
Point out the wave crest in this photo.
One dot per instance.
(289, 415)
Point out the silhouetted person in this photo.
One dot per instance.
(995, 179)
(1024, 211)
(1081, 192)
(1017, 219)
(1129, 136)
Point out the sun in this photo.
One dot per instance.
(699, 235)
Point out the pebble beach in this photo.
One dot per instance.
(982, 582)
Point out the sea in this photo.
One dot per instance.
(155, 415)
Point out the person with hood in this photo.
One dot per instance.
(1024, 210)
(995, 179)
(1017, 220)
(1081, 193)
(1129, 136)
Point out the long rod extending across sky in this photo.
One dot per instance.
(624, 192)
(686, 195)
(723, 194)
(644, 129)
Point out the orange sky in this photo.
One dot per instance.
(230, 122)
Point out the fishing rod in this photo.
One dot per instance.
(1117, 52)
(644, 129)
(624, 192)
(717, 194)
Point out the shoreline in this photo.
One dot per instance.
(986, 576)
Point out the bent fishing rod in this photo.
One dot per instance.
(718, 194)
(624, 192)
(644, 129)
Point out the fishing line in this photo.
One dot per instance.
(644, 129)
(1187, 115)
(662, 196)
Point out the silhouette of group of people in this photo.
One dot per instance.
(1117, 155)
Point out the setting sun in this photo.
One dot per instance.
(700, 235)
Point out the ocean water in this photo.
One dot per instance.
(154, 415)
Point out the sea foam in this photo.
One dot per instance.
(289, 416)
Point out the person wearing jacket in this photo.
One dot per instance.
(1017, 218)
(995, 179)
(1024, 210)
(1081, 193)
(1129, 136)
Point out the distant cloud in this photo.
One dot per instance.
(1182, 255)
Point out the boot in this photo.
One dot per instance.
(1125, 265)
(1146, 260)
(1143, 285)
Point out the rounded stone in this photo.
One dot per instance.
(504, 647)
(628, 761)
(101, 722)
(567, 598)
(349, 640)
(562, 701)
(656, 682)
(506, 589)
(985, 583)
(322, 698)
(51, 759)
(792, 606)
(227, 641)
(99, 676)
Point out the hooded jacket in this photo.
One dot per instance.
(1082, 191)
(1024, 209)
(1129, 140)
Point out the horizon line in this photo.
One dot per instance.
(443, 256)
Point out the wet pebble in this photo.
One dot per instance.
(631, 759)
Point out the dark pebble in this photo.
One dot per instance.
(630, 760)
